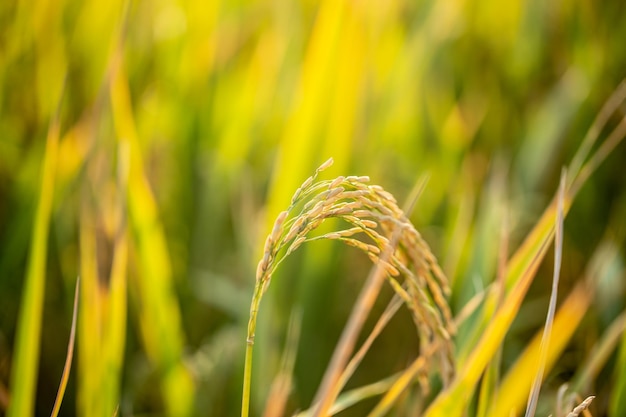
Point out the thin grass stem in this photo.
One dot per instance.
(68, 358)
(545, 340)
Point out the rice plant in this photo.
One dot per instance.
(151, 147)
(396, 248)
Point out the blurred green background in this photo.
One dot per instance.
(185, 127)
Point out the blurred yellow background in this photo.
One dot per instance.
(147, 146)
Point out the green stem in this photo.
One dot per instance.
(247, 372)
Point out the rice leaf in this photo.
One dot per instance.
(27, 342)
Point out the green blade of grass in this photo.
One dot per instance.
(27, 345)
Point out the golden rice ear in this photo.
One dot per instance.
(378, 227)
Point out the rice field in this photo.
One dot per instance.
(273, 208)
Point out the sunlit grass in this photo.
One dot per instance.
(149, 147)
(27, 345)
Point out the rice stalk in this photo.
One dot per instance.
(380, 229)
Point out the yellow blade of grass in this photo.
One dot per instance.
(535, 244)
(102, 315)
(491, 303)
(489, 384)
(159, 312)
(102, 327)
(90, 317)
(114, 326)
(518, 381)
(68, 357)
(27, 345)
